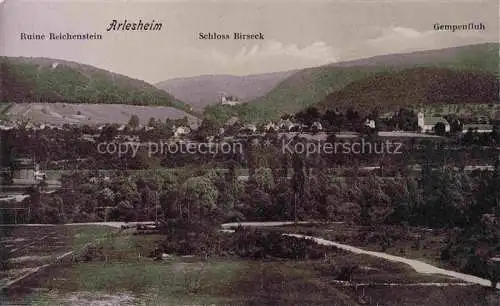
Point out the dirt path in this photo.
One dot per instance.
(35, 270)
(419, 266)
(111, 224)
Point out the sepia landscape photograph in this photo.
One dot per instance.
(236, 152)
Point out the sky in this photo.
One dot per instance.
(297, 33)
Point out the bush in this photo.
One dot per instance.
(192, 238)
(90, 253)
(258, 244)
(346, 273)
(476, 265)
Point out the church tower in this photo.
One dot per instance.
(420, 121)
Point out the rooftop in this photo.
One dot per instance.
(434, 120)
(478, 126)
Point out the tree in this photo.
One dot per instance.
(126, 190)
(108, 133)
(440, 129)
(152, 122)
(448, 203)
(208, 127)
(495, 135)
(263, 177)
(134, 121)
(255, 203)
(455, 125)
(488, 197)
(310, 115)
(495, 183)
(352, 115)
(230, 191)
(150, 203)
(184, 121)
(7, 155)
(298, 181)
(406, 120)
(374, 202)
(251, 158)
(331, 118)
(199, 194)
(405, 199)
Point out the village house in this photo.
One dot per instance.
(426, 124)
(249, 127)
(6, 127)
(270, 126)
(370, 123)
(181, 131)
(286, 124)
(27, 170)
(317, 126)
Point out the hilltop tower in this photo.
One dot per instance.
(228, 100)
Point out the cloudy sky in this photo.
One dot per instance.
(298, 33)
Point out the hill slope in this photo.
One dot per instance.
(413, 87)
(50, 80)
(204, 90)
(90, 114)
(309, 86)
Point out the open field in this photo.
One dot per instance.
(60, 113)
(121, 273)
(229, 282)
(25, 248)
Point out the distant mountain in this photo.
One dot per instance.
(51, 80)
(480, 57)
(204, 90)
(309, 86)
(390, 91)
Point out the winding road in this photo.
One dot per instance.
(418, 266)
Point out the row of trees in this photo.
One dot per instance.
(288, 190)
(134, 122)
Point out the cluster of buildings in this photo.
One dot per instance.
(26, 171)
(9, 125)
(228, 99)
(427, 124)
(283, 125)
(179, 131)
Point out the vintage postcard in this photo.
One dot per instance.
(237, 152)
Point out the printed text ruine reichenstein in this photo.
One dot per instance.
(134, 26)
